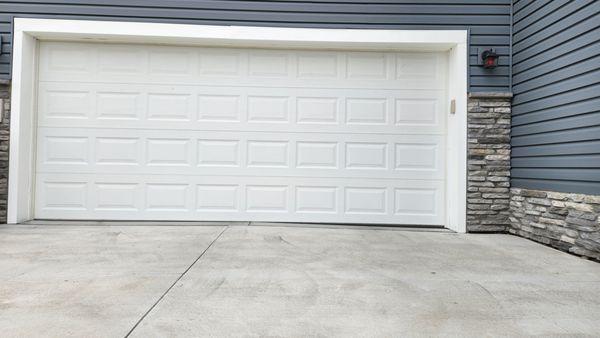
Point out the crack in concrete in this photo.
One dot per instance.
(175, 282)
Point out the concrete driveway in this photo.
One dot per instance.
(145, 281)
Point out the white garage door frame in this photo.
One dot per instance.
(27, 33)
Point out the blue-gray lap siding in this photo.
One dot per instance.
(487, 20)
(556, 86)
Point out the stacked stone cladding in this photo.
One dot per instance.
(569, 222)
(488, 181)
(4, 139)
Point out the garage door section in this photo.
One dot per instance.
(186, 133)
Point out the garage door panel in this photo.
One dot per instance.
(238, 108)
(187, 133)
(245, 67)
(154, 197)
(151, 151)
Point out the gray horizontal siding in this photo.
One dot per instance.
(487, 20)
(556, 86)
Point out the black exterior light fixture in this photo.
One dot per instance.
(489, 59)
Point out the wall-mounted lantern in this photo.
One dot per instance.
(489, 59)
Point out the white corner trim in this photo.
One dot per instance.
(22, 129)
(456, 156)
(27, 31)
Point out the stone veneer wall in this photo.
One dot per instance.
(569, 222)
(488, 181)
(4, 138)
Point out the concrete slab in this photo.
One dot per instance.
(346, 282)
(288, 281)
(58, 281)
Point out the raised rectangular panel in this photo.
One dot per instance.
(416, 111)
(66, 150)
(416, 66)
(116, 196)
(268, 64)
(316, 199)
(267, 153)
(416, 156)
(217, 197)
(174, 107)
(117, 151)
(68, 58)
(317, 65)
(120, 59)
(267, 109)
(365, 200)
(65, 195)
(169, 63)
(117, 105)
(66, 104)
(219, 63)
(316, 155)
(366, 66)
(268, 198)
(169, 152)
(166, 197)
(218, 108)
(317, 110)
(366, 111)
(218, 153)
(365, 155)
(415, 201)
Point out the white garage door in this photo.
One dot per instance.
(136, 132)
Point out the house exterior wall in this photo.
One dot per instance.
(488, 24)
(488, 21)
(555, 185)
(556, 87)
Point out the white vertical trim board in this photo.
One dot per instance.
(22, 128)
(456, 156)
(28, 33)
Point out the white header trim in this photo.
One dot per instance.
(115, 31)
(28, 31)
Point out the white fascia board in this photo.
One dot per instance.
(240, 36)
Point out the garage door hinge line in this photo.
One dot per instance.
(175, 282)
